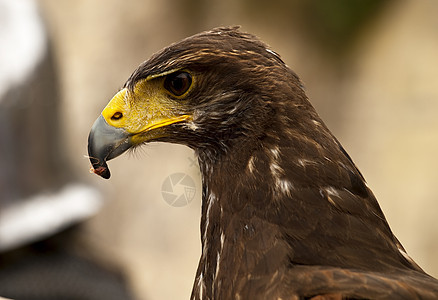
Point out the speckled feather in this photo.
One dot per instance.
(285, 212)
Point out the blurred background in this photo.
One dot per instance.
(370, 68)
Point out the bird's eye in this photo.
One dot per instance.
(178, 83)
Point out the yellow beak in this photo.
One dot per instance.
(129, 120)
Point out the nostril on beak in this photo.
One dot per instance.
(116, 116)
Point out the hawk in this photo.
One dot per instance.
(285, 212)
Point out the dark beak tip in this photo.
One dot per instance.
(102, 171)
(104, 143)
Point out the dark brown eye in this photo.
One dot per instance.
(178, 83)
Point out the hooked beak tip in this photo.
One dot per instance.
(102, 171)
(105, 142)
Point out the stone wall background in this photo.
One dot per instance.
(371, 71)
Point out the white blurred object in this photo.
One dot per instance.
(23, 48)
(42, 215)
(22, 41)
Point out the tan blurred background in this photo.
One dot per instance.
(370, 68)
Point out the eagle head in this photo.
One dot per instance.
(213, 91)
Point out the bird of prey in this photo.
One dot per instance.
(285, 212)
